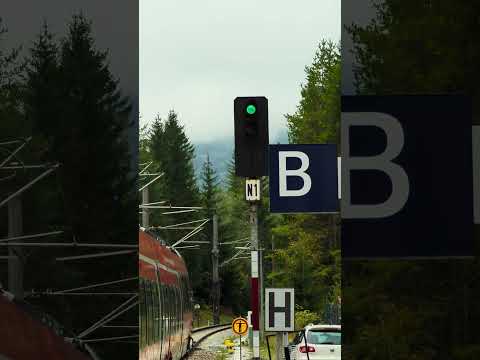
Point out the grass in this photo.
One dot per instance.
(206, 317)
(273, 345)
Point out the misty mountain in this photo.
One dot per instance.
(221, 153)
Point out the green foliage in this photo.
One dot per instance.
(66, 98)
(411, 47)
(414, 309)
(173, 155)
(209, 199)
(317, 117)
(303, 317)
(307, 255)
(233, 226)
(166, 145)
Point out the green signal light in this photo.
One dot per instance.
(251, 109)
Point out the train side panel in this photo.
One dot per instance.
(165, 309)
(24, 338)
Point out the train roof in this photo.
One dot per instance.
(154, 252)
(28, 337)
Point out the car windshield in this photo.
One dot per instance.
(318, 337)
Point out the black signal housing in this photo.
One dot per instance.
(251, 136)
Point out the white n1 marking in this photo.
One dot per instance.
(249, 189)
(382, 162)
(283, 173)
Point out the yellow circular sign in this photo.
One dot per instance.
(240, 326)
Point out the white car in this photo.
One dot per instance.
(323, 342)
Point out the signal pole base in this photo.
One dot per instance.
(256, 345)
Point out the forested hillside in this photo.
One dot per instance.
(63, 96)
(301, 251)
(415, 309)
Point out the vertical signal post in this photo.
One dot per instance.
(251, 160)
(254, 286)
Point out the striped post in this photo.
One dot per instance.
(254, 292)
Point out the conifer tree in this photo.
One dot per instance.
(173, 154)
(209, 196)
(91, 138)
(42, 91)
(75, 105)
(11, 69)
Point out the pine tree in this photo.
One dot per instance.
(76, 106)
(209, 196)
(91, 139)
(11, 70)
(209, 187)
(42, 92)
(317, 117)
(173, 154)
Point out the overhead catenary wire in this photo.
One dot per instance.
(12, 154)
(86, 294)
(73, 244)
(112, 318)
(110, 338)
(25, 167)
(150, 182)
(179, 224)
(96, 255)
(121, 326)
(147, 165)
(147, 174)
(178, 207)
(191, 233)
(11, 142)
(152, 203)
(86, 287)
(32, 236)
(188, 247)
(234, 241)
(240, 252)
(122, 308)
(178, 212)
(29, 185)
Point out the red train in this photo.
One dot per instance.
(24, 337)
(165, 301)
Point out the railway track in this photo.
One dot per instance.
(198, 336)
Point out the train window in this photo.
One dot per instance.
(177, 306)
(172, 309)
(166, 314)
(148, 317)
(158, 312)
(152, 311)
(157, 318)
(142, 314)
(151, 315)
(163, 309)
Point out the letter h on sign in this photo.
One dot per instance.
(279, 309)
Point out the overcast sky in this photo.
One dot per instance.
(114, 26)
(197, 56)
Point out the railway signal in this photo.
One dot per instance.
(251, 154)
(251, 136)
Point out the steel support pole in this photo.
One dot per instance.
(145, 211)
(215, 275)
(278, 346)
(254, 291)
(15, 260)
